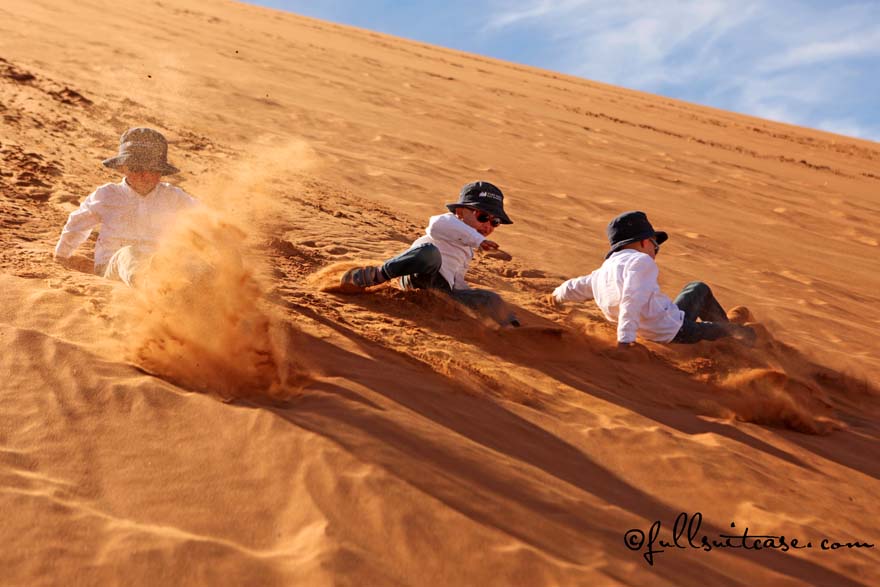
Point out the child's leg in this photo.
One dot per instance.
(692, 331)
(125, 265)
(697, 301)
(418, 268)
(487, 303)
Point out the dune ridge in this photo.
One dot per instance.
(390, 437)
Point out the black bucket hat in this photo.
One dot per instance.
(631, 227)
(484, 196)
(143, 149)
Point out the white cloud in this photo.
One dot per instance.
(656, 47)
(848, 127)
(768, 58)
(541, 9)
(864, 45)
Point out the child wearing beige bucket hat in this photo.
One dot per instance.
(133, 213)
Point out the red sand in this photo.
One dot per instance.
(391, 438)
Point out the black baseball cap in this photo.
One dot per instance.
(631, 227)
(484, 196)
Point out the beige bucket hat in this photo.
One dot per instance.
(142, 149)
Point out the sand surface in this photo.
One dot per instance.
(259, 431)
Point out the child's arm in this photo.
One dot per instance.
(639, 283)
(446, 227)
(77, 229)
(579, 289)
(459, 282)
(186, 200)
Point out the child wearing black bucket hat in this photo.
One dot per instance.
(439, 259)
(132, 213)
(626, 290)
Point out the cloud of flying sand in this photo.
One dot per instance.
(249, 190)
(198, 316)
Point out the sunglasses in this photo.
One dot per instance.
(656, 245)
(486, 217)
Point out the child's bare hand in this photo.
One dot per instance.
(499, 254)
(631, 352)
(488, 245)
(550, 300)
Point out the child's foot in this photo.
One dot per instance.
(740, 315)
(361, 278)
(744, 334)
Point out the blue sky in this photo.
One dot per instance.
(813, 63)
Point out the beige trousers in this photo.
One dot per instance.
(125, 265)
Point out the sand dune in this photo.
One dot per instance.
(258, 430)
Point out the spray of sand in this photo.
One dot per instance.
(198, 316)
(327, 279)
(253, 188)
(772, 384)
(771, 397)
(198, 319)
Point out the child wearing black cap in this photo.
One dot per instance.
(626, 290)
(439, 259)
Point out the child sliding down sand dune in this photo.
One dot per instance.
(626, 290)
(133, 213)
(439, 259)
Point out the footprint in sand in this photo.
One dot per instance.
(607, 204)
(795, 277)
(62, 197)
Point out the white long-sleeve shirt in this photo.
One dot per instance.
(626, 290)
(126, 218)
(456, 242)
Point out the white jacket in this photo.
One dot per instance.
(126, 218)
(456, 242)
(626, 290)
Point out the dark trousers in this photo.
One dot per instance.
(698, 302)
(419, 268)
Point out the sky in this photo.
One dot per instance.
(813, 63)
